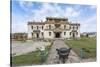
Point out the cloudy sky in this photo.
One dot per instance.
(24, 11)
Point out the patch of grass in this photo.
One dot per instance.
(89, 45)
(26, 59)
(29, 58)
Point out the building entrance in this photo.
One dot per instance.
(73, 35)
(57, 34)
(37, 35)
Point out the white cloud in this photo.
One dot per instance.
(71, 12)
(91, 19)
(19, 27)
(19, 23)
(89, 25)
(46, 9)
(92, 7)
(25, 5)
(54, 10)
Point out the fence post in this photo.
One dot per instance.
(82, 53)
(43, 55)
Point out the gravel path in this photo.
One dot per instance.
(53, 57)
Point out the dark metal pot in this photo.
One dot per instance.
(63, 53)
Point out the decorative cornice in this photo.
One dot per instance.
(57, 18)
(36, 23)
(49, 21)
(75, 24)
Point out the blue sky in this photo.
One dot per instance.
(24, 11)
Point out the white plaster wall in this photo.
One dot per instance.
(62, 26)
(40, 35)
(52, 26)
(67, 34)
(34, 28)
(46, 34)
(78, 32)
(46, 26)
(67, 26)
(29, 32)
(39, 27)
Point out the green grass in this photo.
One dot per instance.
(89, 45)
(26, 59)
(29, 58)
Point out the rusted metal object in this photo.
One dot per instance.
(63, 54)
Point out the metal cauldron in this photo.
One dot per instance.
(63, 53)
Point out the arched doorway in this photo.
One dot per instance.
(73, 35)
(57, 34)
(37, 35)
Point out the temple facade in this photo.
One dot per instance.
(53, 27)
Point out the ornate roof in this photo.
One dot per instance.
(36, 23)
(53, 20)
(36, 31)
(75, 24)
(57, 18)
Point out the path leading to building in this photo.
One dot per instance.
(53, 57)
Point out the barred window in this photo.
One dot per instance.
(73, 27)
(42, 27)
(76, 33)
(32, 34)
(70, 33)
(42, 33)
(64, 33)
(37, 27)
(49, 33)
(64, 26)
(70, 27)
(49, 26)
(31, 27)
(77, 27)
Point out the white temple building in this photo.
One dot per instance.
(53, 27)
